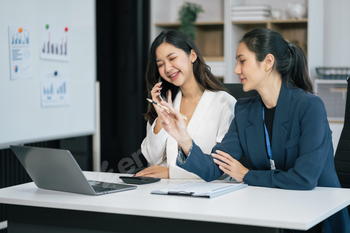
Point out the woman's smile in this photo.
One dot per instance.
(174, 75)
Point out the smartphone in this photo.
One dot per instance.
(165, 87)
(139, 179)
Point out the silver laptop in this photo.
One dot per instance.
(56, 169)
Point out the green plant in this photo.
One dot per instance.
(188, 14)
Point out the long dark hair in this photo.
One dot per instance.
(204, 77)
(290, 59)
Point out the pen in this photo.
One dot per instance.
(167, 109)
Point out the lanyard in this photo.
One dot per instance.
(268, 144)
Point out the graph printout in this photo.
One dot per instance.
(54, 42)
(54, 88)
(20, 52)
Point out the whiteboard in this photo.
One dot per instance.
(23, 118)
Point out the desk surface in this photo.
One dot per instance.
(255, 206)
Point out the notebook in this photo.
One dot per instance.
(201, 189)
(56, 169)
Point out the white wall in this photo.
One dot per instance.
(337, 33)
(336, 43)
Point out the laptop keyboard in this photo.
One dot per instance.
(99, 189)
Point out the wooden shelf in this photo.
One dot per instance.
(218, 34)
(272, 21)
(177, 24)
(305, 20)
(293, 30)
(209, 38)
(249, 22)
(336, 122)
(213, 58)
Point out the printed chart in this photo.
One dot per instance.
(55, 88)
(20, 52)
(54, 43)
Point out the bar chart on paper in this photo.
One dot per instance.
(20, 52)
(55, 88)
(20, 37)
(49, 90)
(54, 43)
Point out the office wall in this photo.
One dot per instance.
(337, 33)
(336, 44)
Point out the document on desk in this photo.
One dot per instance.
(201, 189)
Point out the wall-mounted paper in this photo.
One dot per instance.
(54, 88)
(54, 42)
(20, 52)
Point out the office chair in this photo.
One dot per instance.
(342, 154)
(236, 90)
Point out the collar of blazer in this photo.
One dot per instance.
(255, 133)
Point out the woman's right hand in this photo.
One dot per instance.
(155, 93)
(175, 125)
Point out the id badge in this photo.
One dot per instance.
(272, 163)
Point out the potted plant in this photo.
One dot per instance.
(188, 14)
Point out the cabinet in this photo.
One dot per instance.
(333, 93)
(217, 35)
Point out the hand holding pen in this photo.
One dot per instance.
(166, 109)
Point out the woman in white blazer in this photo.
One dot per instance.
(177, 72)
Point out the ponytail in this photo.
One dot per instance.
(298, 72)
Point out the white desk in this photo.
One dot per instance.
(249, 208)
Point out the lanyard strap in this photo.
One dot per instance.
(267, 138)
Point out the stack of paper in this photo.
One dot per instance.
(250, 12)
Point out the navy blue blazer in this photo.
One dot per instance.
(301, 147)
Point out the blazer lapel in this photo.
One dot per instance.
(279, 132)
(255, 137)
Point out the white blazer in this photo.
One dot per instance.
(207, 127)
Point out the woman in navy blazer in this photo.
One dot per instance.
(283, 131)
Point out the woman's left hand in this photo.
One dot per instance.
(229, 165)
(155, 171)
